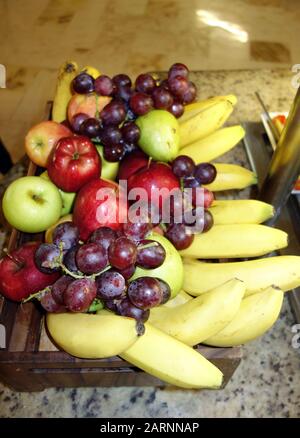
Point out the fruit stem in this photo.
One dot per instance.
(163, 227)
(37, 295)
(78, 276)
(147, 245)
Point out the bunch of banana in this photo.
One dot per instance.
(63, 92)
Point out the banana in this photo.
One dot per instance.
(202, 317)
(204, 122)
(256, 315)
(94, 72)
(236, 241)
(231, 176)
(172, 361)
(240, 211)
(284, 271)
(181, 298)
(192, 109)
(214, 145)
(63, 92)
(92, 336)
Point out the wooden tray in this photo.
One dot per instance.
(31, 362)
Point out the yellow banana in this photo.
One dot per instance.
(240, 211)
(180, 299)
(94, 72)
(92, 336)
(236, 241)
(202, 317)
(204, 122)
(231, 176)
(172, 361)
(256, 315)
(192, 109)
(284, 271)
(63, 92)
(214, 145)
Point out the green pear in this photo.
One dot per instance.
(109, 170)
(67, 198)
(159, 135)
(171, 271)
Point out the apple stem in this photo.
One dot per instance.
(37, 295)
(16, 261)
(147, 245)
(149, 162)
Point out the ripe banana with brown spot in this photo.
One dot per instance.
(63, 93)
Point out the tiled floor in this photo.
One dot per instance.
(132, 36)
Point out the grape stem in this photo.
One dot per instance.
(37, 295)
(147, 245)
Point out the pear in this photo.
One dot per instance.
(159, 135)
(171, 271)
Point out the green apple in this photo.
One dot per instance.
(31, 204)
(67, 198)
(159, 135)
(109, 170)
(171, 271)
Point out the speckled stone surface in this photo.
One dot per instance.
(266, 384)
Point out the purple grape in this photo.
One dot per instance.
(190, 95)
(122, 253)
(137, 230)
(59, 287)
(111, 305)
(145, 292)
(47, 258)
(164, 84)
(50, 305)
(205, 173)
(113, 113)
(126, 308)
(127, 272)
(183, 166)
(131, 132)
(166, 290)
(111, 135)
(110, 285)
(103, 85)
(103, 236)
(121, 80)
(141, 103)
(123, 92)
(190, 182)
(83, 83)
(91, 258)
(178, 86)
(114, 153)
(151, 257)
(129, 147)
(162, 98)
(90, 127)
(145, 83)
(80, 294)
(66, 235)
(176, 109)
(77, 121)
(178, 69)
(69, 260)
(180, 236)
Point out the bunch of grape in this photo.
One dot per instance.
(98, 271)
(115, 127)
(191, 177)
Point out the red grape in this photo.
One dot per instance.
(151, 257)
(123, 92)
(178, 69)
(162, 98)
(141, 103)
(59, 287)
(111, 135)
(128, 272)
(203, 220)
(145, 83)
(205, 173)
(205, 199)
(121, 80)
(131, 132)
(103, 85)
(80, 294)
(47, 257)
(91, 258)
(110, 285)
(190, 95)
(114, 153)
(180, 236)
(166, 290)
(164, 84)
(113, 113)
(178, 86)
(66, 234)
(77, 121)
(103, 236)
(90, 127)
(138, 229)
(126, 308)
(122, 253)
(69, 259)
(50, 305)
(83, 83)
(183, 166)
(208, 221)
(176, 109)
(145, 292)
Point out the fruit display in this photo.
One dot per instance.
(128, 197)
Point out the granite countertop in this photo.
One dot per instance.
(266, 384)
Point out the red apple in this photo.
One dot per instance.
(19, 277)
(73, 163)
(89, 104)
(41, 139)
(132, 163)
(99, 204)
(152, 178)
